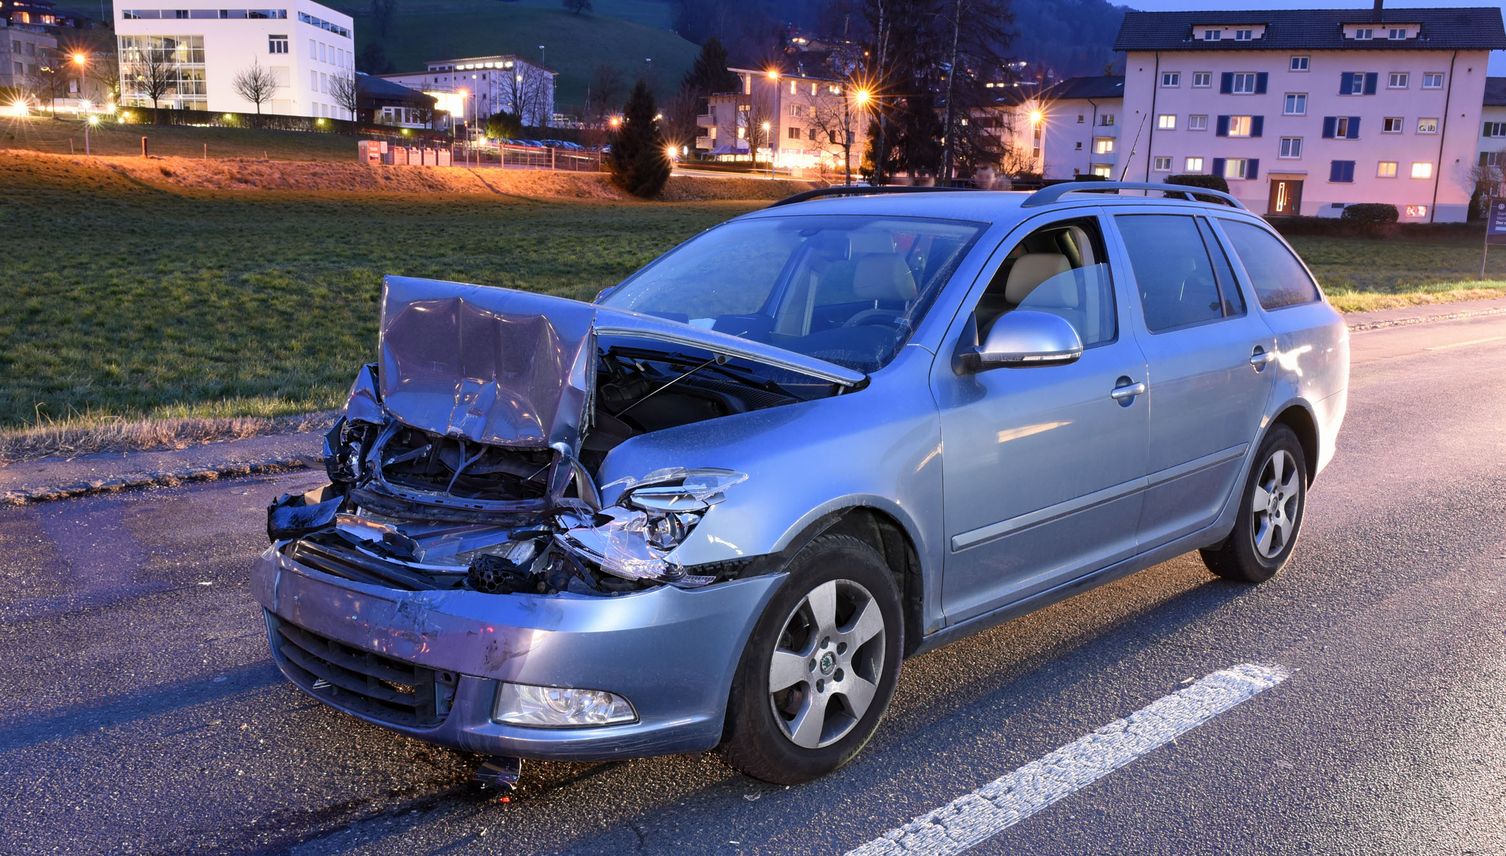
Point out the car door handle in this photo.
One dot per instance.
(1126, 390)
(1260, 357)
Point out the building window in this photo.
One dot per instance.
(1364, 33)
(792, 133)
(277, 44)
(1391, 125)
(1243, 83)
(1166, 122)
(1341, 127)
(1079, 118)
(1171, 79)
(1432, 80)
(1398, 80)
(1240, 126)
(1352, 83)
(1341, 171)
(1243, 35)
(1103, 145)
(1102, 170)
(1212, 35)
(1298, 63)
(1238, 168)
(1494, 129)
(1397, 33)
(1106, 120)
(314, 80)
(1194, 164)
(1199, 122)
(1161, 163)
(1427, 126)
(1202, 79)
(1077, 146)
(1385, 169)
(1422, 169)
(1295, 105)
(1291, 148)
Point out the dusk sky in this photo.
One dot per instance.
(1497, 58)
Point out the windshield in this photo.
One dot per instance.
(846, 288)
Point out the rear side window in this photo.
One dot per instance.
(1173, 271)
(1278, 278)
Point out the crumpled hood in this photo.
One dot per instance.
(493, 365)
(517, 369)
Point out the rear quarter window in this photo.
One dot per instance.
(1276, 275)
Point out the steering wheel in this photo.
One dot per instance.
(874, 316)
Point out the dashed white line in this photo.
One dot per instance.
(974, 818)
(1466, 344)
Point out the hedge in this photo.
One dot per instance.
(1210, 182)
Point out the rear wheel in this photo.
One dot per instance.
(820, 666)
(1270, 513)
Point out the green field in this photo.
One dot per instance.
(619, 33)
(62, 136)
(123, 299)
(127, 300)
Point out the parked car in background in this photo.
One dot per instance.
(718, 507)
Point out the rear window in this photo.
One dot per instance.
(1278, 278)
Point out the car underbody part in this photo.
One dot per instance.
(499, 772)
(466, 456)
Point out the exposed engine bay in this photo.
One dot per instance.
(467, 458)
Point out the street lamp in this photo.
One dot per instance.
(770, 141)
(1038, 136)
(542, 61)
(773, 75)
(90, 122)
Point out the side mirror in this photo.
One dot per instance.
(1025, 337)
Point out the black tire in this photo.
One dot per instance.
(756, 742)
(1241, 556)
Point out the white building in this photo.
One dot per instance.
(24, 51)
(205, 46)
(798, 121)
(473, 88)
(1306, 111)
(1493, 124)
(1073, 127)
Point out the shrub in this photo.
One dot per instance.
(1370, 213)
(637, 161)
(1211, 182)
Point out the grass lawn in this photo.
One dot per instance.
(111, 138)
(127, 300)
(123, 300)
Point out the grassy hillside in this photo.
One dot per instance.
(574, 44)
(55, 136)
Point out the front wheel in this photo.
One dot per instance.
(1270, 513)
(820, 666)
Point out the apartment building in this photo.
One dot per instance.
(796, 120)
(204, 46)
(24, 51)
(1493, 124)
(1306, 111)
(471, 89)
(1079, 122)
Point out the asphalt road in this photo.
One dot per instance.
(142, 714)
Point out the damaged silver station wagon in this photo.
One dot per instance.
(719, 505)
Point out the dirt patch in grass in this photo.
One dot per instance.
(84, 436)
(252, 174)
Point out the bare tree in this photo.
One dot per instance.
(50, 79)
(837, 122)
(148, 73)
(526, 91)
(256, 84)
(346, 90)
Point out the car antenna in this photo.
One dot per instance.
(719, 359)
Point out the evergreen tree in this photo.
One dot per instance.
(709, 74)
(638, 161)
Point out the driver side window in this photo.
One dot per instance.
(1061, 269)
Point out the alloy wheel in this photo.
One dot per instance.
(827, 662)
(1275, 504)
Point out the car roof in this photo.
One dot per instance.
(985, 206)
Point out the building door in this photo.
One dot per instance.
(1286, 196)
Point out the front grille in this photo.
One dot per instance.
(333, 555)
(382, 688)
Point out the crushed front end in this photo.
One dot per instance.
(459, 579)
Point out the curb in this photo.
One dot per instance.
(1401, 318)
(168, 478)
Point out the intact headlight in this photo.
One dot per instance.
(559, 707)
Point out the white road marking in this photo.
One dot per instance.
(1463, 344)
(974, 818)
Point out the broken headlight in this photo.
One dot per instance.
(633, 539)
(559, 707)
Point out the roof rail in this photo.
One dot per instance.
(860, 190)
(1048, 195)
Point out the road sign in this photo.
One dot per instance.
(1495, 224)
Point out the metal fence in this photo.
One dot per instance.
(513, 156)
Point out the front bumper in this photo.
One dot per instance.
(671, 652)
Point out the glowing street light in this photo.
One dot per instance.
(18, 108)
(615, 122)
(80, 58)
(1037, 116)
(773, 74)
(91, 122)
(671, 152)
(862, 96)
